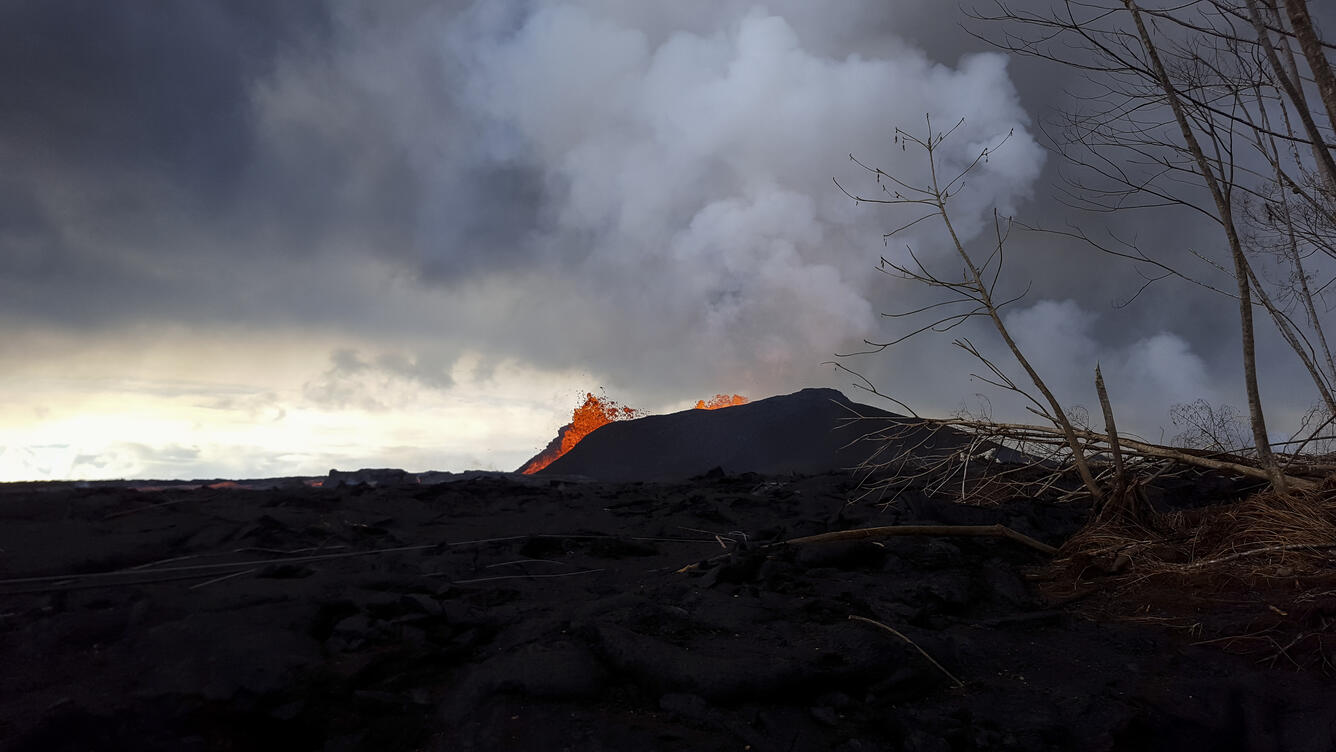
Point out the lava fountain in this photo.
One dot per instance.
(597, 412)
(721, 400)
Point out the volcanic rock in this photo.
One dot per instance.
(509, 613)
(370, 476)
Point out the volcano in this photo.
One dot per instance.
(593, 414)
(810, 431)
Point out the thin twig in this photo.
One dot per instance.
(526, 561)
(208, 567)
(220, 579)
(1256, 551)
(913, 644)
(516, 577)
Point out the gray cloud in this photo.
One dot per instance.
(638, 190)
(256, 405)
(125, 133)
(96, 87)
(389, 380)
(686, 214)
(647, 180)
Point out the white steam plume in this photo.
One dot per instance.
(688, 236)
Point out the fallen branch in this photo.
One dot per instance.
(1185, 457)
(891, 531)
(516, 577)
(71, 584)
(972, 531)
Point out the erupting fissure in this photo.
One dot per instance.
(597, 412)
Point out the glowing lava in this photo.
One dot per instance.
(595, 413)
(721, 400)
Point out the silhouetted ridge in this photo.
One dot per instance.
(804, 432)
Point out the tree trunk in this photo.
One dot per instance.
(1302, 24)
(1292, 71)
(1294, 90)
(1059, 417)
(1241, 268)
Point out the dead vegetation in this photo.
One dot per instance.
(1265, 561)
(1224, 110)
(1189, 539)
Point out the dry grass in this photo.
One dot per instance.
(1256, 576)
(1296, 530)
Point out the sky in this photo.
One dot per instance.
(251, 238)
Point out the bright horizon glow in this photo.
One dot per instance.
(231, 410)
(226, 404)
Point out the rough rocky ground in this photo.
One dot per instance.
(510, 613)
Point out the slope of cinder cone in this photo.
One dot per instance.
(803, 432)
(588, 417)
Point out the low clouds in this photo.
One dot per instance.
(388, 381)
(1145, 378)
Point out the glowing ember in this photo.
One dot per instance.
(595, 413)
(721, 400)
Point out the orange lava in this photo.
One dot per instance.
(721, 400)
(595, 413)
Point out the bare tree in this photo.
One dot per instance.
(975, 287)
(1204, 105)
(1207, 427)
(973, 293)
